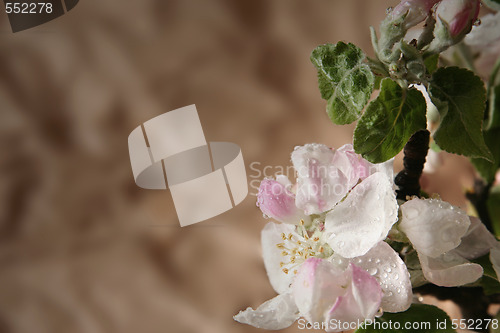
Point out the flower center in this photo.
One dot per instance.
(297, 247)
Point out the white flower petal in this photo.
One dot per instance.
(477, 241)
(364, 218)
(316, 288)
(270, 237)
(387, 168)
(433, 226)
(385, 265)
(275, 314)
(320, 185)
(486, 33)
(449, 270)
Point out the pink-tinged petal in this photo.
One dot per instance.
(449, 270)
(361, 300)
(363, 219)
(317, 287)
(320, 185)
(352, 165)
(459, 15)
(277, 313)
(495, 259)
(356, 168)
(477, 241)
(277, 201)
(433, 226)
(271, 236)
(385, 265)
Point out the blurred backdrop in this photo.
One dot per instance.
(82, 249)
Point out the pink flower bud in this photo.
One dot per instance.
(459, 15)
(277, 201)
(416, 11)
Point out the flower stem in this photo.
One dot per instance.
(415, 151)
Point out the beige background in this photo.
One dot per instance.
(82, 249)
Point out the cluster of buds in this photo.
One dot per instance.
(446, 23)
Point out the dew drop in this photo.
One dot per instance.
(373, 271)
(388, 269)
(385, 275)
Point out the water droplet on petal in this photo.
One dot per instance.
(411, 213)
(373, 271)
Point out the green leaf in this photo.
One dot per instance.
(412, 320)
(487, 169)
(345, 80)
(490, 285)
(493, 206)
(489, 281)
(389, 121)
(431, 63)
(485, 262)
(460, 98)
(493, 4)
(494, 108)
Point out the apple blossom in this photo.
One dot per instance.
(325, 285)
